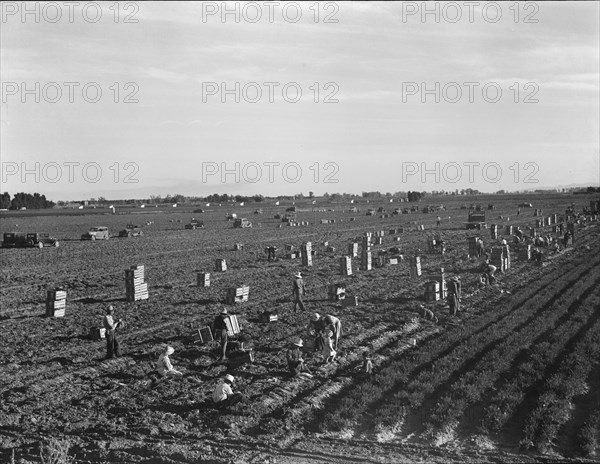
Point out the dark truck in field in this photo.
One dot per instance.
(28, 240)
(131, 230)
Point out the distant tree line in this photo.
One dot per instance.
(25, 200)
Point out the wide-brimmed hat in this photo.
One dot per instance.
(224, 311)
(298, 274)
(110, 309)
(229, 377)
(170, 350)
(299, 342)
(315, 317)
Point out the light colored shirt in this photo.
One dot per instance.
(221, 392)
(109, 323)
(163, 366)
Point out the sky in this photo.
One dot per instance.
(139, 99)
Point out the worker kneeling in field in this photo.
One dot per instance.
(295, 360)
(224, 395)
(333, 324)
(164, 366)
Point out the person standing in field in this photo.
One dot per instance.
(112, 344)
(454, 289)
(333, 324)
(329, 352)
(439, 221)
(220, 331)
(298, 291)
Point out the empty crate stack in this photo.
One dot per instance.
(472, 243)
(441, 279)
(508, 230)
(432, 291)
(415, 266)
(220, 265)
(237, 295)
(346, 265)
(493, 232)
(135, 287)
(306, 252)
(56, 302)
(500, 257)
(353, 250)
(366, 261)
(336, 292)
(203, 279)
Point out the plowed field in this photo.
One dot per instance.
(514, 377)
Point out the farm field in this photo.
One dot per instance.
(513, 377)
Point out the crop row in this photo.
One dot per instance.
(554, 403)
(470, 387)
(512, 391)
(589, 436)
(430, 384)
(368, 395)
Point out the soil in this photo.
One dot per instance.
(56, 384)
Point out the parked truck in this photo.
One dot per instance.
(476, 220)
(28, 240)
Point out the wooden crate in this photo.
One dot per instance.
(233, 327)
(353, 250)
(346, 265)
(97, 333)
(56, 294)
(204, 335)
(268, 316)
(203, 279)
(238, 247)
(237, 295)
(366, 261)
(220, 265)
(415, 266)
(306, 254)
(55, 312)
(336, 292)
(56, 305)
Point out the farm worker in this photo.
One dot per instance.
(453, 303)
(333, 324)
(315, 327)
(491, 269)
(329, 352)
(298, 291)
(220, 331)
(480, 247)
(439, 221)
(294, 358)
(504, 242)
(164, 366)
(223, 394)
(367, 366)
(566, 238)
(271, 253)
(112, 344)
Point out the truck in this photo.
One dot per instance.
(476, 220)
(131, 230)
(28, 240)
(194, 224)
(96, 233)
(241, 223)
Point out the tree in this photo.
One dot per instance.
(5, 200)
(311, 194)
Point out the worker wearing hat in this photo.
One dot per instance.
(220, 332)
(164, 366)
(294, 358)
(112, 344)
(298, 291)
(454, 294)
(223, 395)
(314, 331)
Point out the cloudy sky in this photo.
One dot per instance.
(517, 92)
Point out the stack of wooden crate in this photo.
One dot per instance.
(415, 266)
(366, 261)
(135, 287)
(353, 250)
(346, 265)
(441, 279)
(432, 291)
(56, 302)
(501, 257)
(508, 230)
(306, 252)
(220, 265)
(494, 231)
(237, 295)
(203, 279)
(526, 253)
(472, 243)
(336, 292)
